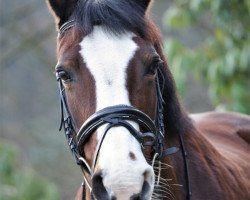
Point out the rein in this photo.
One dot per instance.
(119, 115)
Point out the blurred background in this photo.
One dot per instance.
(207, 45)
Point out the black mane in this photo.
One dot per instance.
(117, 16)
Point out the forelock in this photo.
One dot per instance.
(116, 16)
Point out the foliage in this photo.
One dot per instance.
(20, 184)
(222, 57)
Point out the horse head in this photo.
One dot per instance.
(111, 73)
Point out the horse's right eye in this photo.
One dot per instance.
(64, 76)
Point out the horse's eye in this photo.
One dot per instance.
(152, 68)
(64, 76)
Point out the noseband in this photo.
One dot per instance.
(119, 115)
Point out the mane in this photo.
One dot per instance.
(117, 16)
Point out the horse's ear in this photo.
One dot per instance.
(62, 9)
(144, 3)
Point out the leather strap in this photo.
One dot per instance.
(116, 115)
(66, 26)
(170, 151)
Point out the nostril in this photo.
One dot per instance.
(135, 197)
(146, 190)
(98, 189)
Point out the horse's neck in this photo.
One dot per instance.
(198, 153)
(208, 170)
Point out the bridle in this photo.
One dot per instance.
(118, 115)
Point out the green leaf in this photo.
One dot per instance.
(222, 60)
(177, 18)
(17, 183)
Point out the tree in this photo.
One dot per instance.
(222, 57)
(17, 183)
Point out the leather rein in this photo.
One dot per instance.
(118, 115)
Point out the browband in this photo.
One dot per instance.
(67, 25)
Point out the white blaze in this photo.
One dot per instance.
(107, 57)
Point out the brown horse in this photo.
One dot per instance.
(113, 80)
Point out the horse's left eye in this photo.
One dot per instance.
(152, 68)
(64, 76)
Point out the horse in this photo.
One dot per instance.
(122, 118)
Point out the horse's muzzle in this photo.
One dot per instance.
(101, 192)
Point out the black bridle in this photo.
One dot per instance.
(119, 115)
